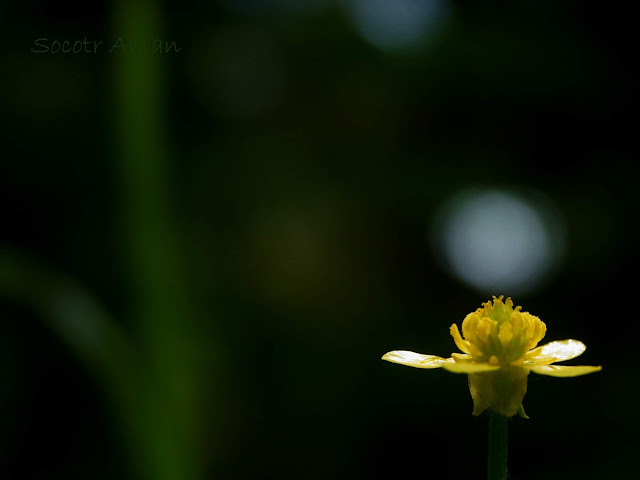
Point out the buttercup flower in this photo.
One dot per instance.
(500, 349)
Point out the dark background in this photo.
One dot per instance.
(204, 253)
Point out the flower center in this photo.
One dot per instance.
(499, 334)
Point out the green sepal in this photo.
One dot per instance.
(522, 413)
(502, 391)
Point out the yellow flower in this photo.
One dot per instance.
(500, 349)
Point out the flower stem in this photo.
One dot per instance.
(498, 436)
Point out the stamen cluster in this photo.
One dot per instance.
(499, 334)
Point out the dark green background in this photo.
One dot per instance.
(204, 254)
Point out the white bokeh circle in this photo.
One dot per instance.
(498, 241)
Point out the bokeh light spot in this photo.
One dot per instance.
(398, 24)
(498, 241)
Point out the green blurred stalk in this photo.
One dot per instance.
(162, 310)
(498, 446)
(153, 388)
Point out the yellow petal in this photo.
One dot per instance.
(555, 352)
(469, 367)
(416, 360)
(563, 371)
(463, 345)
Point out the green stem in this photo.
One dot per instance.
(498, 440)
(168, 426)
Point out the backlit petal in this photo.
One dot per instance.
(563, 371)
(555, 352)
(417, 360)
(469, 367)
